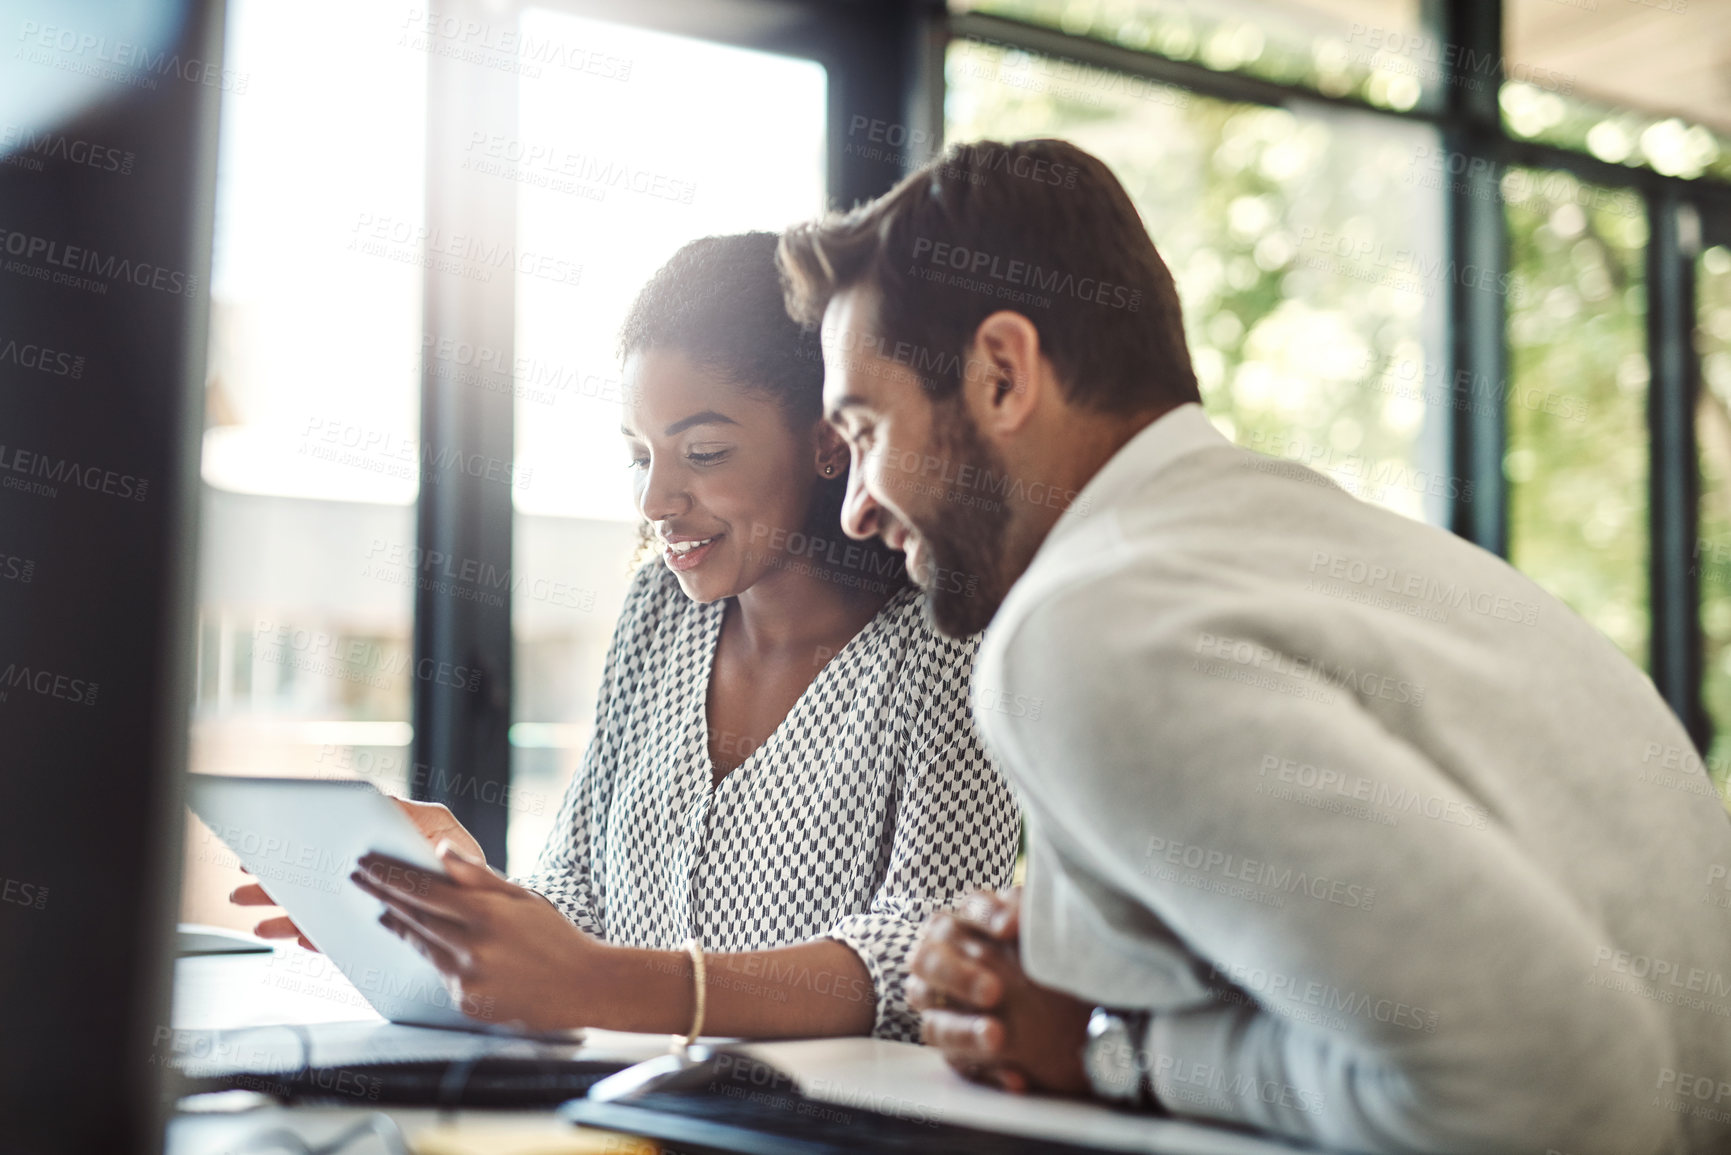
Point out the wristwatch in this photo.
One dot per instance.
(1113, 1057)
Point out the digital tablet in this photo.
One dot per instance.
(301, 838)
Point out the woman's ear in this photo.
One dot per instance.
(832, 454)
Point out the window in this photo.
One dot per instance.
(1577, 406)
(1306, 248)
(1713, 546)
(644, 169)
(310, 459)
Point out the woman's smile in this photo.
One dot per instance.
(686, 554)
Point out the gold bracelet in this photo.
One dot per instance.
(698, 977)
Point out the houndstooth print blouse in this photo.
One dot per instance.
(871, 806)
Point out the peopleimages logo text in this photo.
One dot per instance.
(47, 684)
(21, 141)
(65, 471)
(54, 362)
(124, 55)
(87, 260)
(979, 263)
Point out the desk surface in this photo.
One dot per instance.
(230, 992)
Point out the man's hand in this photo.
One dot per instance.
(979, 1007)
(506, 954)
(436, 824)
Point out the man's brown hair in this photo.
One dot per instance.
(1038, 227)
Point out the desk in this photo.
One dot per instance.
(293, 986)
(289, 985)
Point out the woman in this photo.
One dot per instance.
(783, 768)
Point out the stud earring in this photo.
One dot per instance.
(829, 471)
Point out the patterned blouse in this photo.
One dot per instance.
(872, 805)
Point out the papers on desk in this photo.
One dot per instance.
(227, 1009)
(266, 1049)
(285, 1049)
(914, 1082)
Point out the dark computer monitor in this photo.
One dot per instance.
(107, 138)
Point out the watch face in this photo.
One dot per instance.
(1110, 1057)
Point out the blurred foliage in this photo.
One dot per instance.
(1328, 48)
(1297, 244)
(1713, 546)
(1380, 52)
(1577, 455)
(1665, 144)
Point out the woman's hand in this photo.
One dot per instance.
(435, 822)
(507, 955)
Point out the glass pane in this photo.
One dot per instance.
(1375, 50)
(1577, 407)
(310, 460)
(1713, 550)
(1306, 251)
(704, 139)
(1639, 83)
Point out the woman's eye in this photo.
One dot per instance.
(706, 458)
(638, 461)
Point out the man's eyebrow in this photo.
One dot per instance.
(846, 400)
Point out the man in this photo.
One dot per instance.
(1338, 826)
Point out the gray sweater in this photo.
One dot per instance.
(1402, 854)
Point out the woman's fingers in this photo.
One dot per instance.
(433, 820)
(251, 894)
(454, 931)
(411, 887)
(467, 871)
(277, 928)
(436, 823)
(434, 947)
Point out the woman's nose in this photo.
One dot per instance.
(663, 494)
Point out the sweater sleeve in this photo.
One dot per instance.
(565, 873)
(1415, 986)
(956, 829)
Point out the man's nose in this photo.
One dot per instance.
(861, 516)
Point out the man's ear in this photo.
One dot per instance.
(1005, 373)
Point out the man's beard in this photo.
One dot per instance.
(967, 536)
